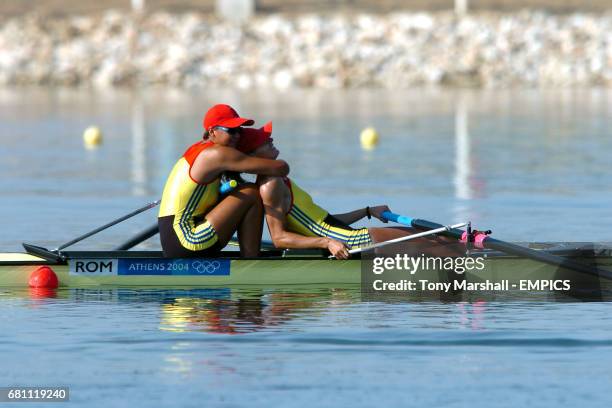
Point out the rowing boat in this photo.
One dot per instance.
(495, 265)
(275, 268)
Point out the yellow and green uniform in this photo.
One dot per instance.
(306, 218)
(183, 207)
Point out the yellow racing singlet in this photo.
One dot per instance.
(188, 202)
(307, 218)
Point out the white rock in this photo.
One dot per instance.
(283, 79)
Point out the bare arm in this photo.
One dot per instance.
(211, 163)
(271, 191)
(242, 163)
(350, 217)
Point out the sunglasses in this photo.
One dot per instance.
(231, 131)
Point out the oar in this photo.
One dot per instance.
(225, 188)
(55, 255)
(265, 245)
(140, 237)
(105, 226)
(406, 238)
(503, 246)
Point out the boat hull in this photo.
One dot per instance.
(240, 272)
(149, 269)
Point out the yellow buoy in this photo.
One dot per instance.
(92, 137)
(369, 138)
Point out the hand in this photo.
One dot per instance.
(337, 249)
(377, 212)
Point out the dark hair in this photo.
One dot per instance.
(206, 135)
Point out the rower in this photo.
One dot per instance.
(194, 219)
(296, 221)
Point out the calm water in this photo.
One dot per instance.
(314, 348)
(530, 165)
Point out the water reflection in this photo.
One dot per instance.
(239, 311)
(223, 310)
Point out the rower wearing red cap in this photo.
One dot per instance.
(193, 219)
(295, 221)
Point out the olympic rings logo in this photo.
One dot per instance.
(206, 267)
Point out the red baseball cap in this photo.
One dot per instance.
(226, 116)
(251, 138)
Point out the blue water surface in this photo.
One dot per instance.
(325, 347)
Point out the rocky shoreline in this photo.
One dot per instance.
(397, 50)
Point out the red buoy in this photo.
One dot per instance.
(43, 277)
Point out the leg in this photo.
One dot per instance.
(433, 245)
(250, 229)
(241, 210)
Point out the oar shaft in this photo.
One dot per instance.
(503, 246)
(137, 239)
(265, 245)
(408, 238)
(545, 257)
(110, 224)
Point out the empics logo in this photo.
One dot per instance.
(93, 267)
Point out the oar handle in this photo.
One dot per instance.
(400, 219)
(227, 186)
(420, 223)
